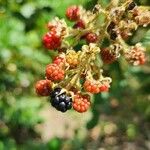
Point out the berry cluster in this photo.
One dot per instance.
(72, 65)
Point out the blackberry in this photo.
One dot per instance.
(79, 24)
(107, 56)
(61, 101)
(54, 72)
(51, 40)
(43, 87)
(81, 102)
(131, 6)
(91, 38)
(72, 13)
(55, 92)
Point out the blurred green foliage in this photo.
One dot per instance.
(23, 60)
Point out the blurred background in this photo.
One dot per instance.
(118, 120)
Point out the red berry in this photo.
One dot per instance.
(103, 88)
(59, 60)
(72, 13)
(51, 40)
(91, 86)
(107, 56)
(81, 103)
(54, 72)
(136, 55)
(43, 87)
(79, 24)
(142, 60)
(91, 38)
(95, 87)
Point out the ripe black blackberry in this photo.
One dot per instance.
(60, 100)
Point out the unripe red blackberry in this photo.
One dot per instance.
(136, 55)
(60, 100)
(125, 35)
(79, 24)
(91, 86)
(107, 56)
(43, 87)
(104, 87)
(95, 87)
(54, 72)
(59, 61)
(72, 13)
(91, 38)
(81, 103)
(51, 40)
